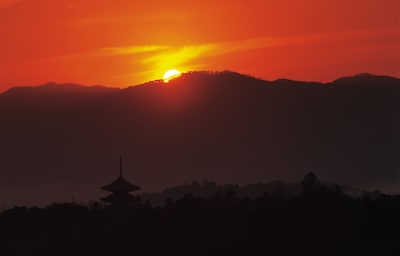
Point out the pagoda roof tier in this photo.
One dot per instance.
(120, 185)
(120, 198)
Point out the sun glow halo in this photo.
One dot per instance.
(171, 74)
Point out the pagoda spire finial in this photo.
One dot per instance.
(120, 166)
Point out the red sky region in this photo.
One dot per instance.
(123, 42)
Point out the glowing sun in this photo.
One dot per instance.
(171, 74)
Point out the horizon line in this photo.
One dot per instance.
(207, 72)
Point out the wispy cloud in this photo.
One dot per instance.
(161, 57)
(189, 57)
(132, 49)
(156, 59)
(180, 55)
(192, 51)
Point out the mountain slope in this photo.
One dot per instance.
(59, 142)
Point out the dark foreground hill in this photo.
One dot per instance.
(63, 141)
(320, 220)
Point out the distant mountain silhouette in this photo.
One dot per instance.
(209, 189)
(63, 141)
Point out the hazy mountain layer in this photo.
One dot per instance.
(64, 141)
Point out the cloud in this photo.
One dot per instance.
(132, 49)
(180, 55)
(189, 57)
(172, 55)
(156, 59)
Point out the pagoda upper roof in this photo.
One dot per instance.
(120, 185)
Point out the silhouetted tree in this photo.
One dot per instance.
(310, 184)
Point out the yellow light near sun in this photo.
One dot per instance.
(159, 62)
(171, 74)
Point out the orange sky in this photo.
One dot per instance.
(125, 42)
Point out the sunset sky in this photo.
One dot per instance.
(124, 42)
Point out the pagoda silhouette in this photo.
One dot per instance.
(120, 191)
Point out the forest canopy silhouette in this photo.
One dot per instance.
(321, 219)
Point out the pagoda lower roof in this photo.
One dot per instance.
(120, 185)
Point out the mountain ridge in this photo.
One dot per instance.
(361, 77)
(223, 126)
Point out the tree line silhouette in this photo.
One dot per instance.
(321, 220)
